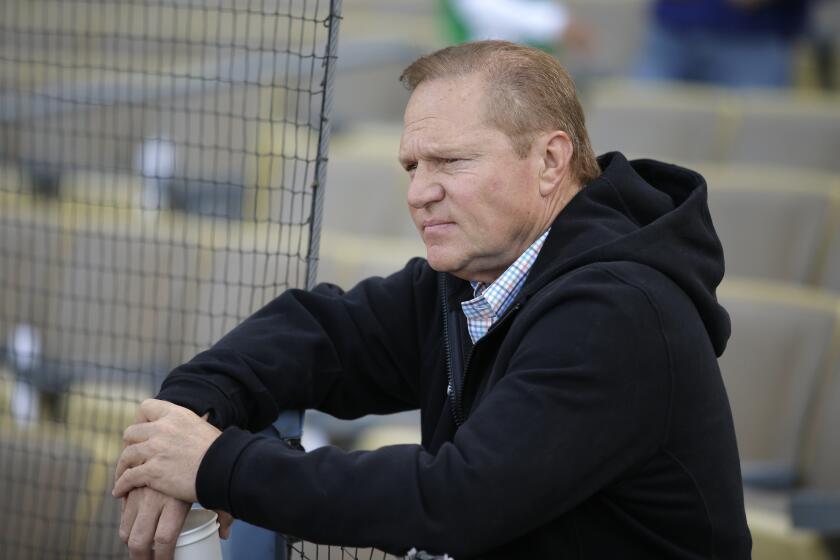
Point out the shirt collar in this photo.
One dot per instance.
(492, 300)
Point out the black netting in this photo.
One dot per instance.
(309, 551)
(159, 172)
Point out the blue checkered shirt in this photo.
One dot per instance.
(491, 301)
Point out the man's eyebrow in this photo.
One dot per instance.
(440, 151)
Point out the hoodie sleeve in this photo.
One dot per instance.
(584, 399)
(347, 354)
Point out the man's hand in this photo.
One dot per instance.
(164, 452)
(151, 523)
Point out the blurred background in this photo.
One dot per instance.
(164, 172)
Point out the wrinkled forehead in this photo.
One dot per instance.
(435, 137)
(445, 111)
(458, 98)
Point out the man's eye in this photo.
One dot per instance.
(451, 160)
(410, 167)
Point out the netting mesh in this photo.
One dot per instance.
(160, 164)
(310, 551)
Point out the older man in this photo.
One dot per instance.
(560, 341)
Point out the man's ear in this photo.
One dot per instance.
(557, 157)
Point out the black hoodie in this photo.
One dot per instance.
(590, 422)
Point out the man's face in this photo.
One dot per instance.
(475, 202)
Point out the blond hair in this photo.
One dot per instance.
(528, 92)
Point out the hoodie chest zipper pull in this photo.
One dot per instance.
(454, 396)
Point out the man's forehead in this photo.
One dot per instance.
(420, 149)
(467, 85)
(445, 115)
(443, 141)
(461, 95)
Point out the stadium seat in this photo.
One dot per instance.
(31, 252)
(102, 188)
(97, 516)
(804, 522)
(385, 20)
(770, 232)
(12, 179)
(774, 538)
(680, 122)
(828, 276)
(368, 196)
(781, 341)
(42, 491)
(346, 259)
(782, 129)
(105, 407)
(120, 299)
(757, 177)
(662, 122)
(821, 453)
(102, 539)
(367, 227)
(831, 275)
(367, 187)
(387, 434)
(7, 383)
(782, 373)
(242, 266)
(367, 82)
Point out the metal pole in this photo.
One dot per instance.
(323, 146)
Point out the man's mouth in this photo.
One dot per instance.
(434, 225)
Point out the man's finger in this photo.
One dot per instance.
(135, 477)
(141, 541)
(153, 409)
(139, 416)
(132, 456)
(129, 514)
(169, 527)
(138, 432)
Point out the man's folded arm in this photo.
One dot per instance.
(348, 354)
(573, 413)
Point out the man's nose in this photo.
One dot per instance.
(424, 187)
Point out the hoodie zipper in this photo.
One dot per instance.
(452, 391)
(454, 403)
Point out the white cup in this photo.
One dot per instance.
(199, 538)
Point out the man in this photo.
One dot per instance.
(560, 341)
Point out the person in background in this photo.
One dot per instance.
(735, 43)
(544, 24)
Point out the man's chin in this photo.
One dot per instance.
(439, 264)
(436, 266)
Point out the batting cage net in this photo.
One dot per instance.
(161, 177)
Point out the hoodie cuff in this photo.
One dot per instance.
(201, 397)
(215, 473)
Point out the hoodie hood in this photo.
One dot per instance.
(648, 212)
